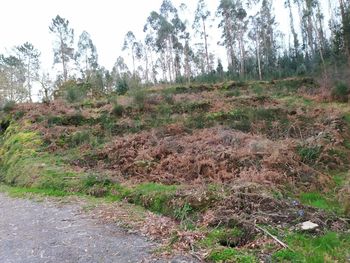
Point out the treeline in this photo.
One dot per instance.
(176, 48)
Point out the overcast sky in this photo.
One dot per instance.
(107, 21)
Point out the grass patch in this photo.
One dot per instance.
(309, 154)
(231, 255)
(330, 247)
(320, 201)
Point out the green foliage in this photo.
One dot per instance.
(233, 93)
(79, 138)
(190, 107)
(309, 154)
(341, 92)
(9, 106)
(307, 248)
(139, 97)
(73, 94)
(122, 86)
(118, 110)
(155, 197)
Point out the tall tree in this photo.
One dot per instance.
(13, 74)
(226, 11)
(86, 55)
(29, 56)
(345, 16)
(63, 44)
(130, 43)
(202, 15)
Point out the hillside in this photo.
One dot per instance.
(237, 166)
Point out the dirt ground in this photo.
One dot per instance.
(32, 231)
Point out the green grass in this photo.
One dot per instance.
(347, 118)
(231, 255)
(330, 247)
(309, 154)
(319, 201)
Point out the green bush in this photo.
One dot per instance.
(139, 97)
(122, 86)
(79, 138)
(341, 92)
(73, 95)
(9, 106)
(118, 110)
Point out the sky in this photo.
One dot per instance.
(107, 21)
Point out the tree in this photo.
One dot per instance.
(30, 59)
(135, 47)
(47, 89)
(13, 78)
(345, 17)
(202, 14)
(86, 55)
(225, 11)
(63, 44)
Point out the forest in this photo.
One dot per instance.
(176, 49)
(241, 157)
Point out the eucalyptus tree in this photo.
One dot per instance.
(63, 43)
(131, 44)
(86, 55)
(202, 15)
(226, 11)
(29, 57)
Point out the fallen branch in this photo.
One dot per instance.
(272, 236)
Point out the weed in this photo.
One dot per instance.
(182, 213)
(309, 154)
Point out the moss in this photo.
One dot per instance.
(23, 164)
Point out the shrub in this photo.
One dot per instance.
(73, 95)
(9, 106)
(139, 97)
(79, 138)
(118, 110)
(341, 92)
(168, 96)
(122, 86)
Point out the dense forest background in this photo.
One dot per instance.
(175, 49)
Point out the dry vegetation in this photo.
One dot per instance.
(215, 158)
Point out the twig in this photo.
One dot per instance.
(275, 238)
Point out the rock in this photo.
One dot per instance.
(308, 225)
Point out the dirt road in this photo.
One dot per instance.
(32, 232)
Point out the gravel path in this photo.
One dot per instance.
(32, 232)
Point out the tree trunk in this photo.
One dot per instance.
(206, 45)
(346, 28)
(258, 55)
